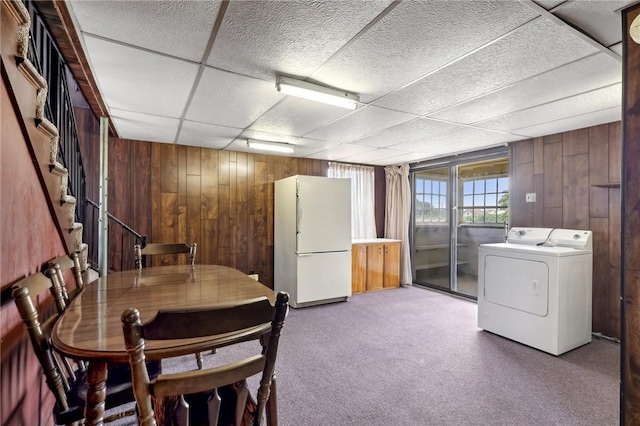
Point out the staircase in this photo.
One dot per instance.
(29, 91)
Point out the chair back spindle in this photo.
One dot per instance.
(254, 319)
(39, 333)
(141, 253)
(66, 381)
(62, 264)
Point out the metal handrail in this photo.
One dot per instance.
(127, 236)
(116, 220)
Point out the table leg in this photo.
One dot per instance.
(96, 393)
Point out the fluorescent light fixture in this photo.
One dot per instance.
(314, 92)
(270, 146)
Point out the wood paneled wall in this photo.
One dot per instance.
(221, 200)
(576, 177)
(630, 359)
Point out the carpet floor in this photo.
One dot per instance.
(414, 356)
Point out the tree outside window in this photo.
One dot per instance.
(485, 200)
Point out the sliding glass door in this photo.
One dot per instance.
(457, 207)
(483, 213)
(431, 223)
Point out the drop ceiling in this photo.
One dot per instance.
(434, 77)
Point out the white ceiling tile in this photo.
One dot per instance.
(617, 48)
(206, 135)
(462, 147)
(144, 127)
(571, 123)
(410, 131)
(535, 47)
(310, 146)
(384, 156)
(262, 38)
(471, 137)
(456, 139)
(577, 77)
(341, 151)
(231, 99)
(136, 80)
(596, 100)
(360, 123)
(296, 117)
(549, 4)
(416, 38)
(408, 157)
(152, 25)
(600, 19)
(470, 63)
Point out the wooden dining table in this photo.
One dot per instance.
(91, 328)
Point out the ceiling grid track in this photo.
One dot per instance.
(562, 23)
(514, 84)
(434, 77)
(203, 64)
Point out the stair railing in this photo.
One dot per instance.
(48, 60)
(122, 238)
(45, 56)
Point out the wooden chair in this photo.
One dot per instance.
(162, 248)
(254, 319)
(57, 269)
(68, 388)
(166, 248)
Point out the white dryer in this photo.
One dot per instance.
(536, 288)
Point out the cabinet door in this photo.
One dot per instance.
(358, 268)
(391, 265)
(375, 266)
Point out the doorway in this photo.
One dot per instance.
(457, 206)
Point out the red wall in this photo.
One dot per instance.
(28, 240)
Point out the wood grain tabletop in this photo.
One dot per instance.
(91, 327)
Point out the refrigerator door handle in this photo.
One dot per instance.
(298, 216)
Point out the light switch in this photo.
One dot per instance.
(531, 197)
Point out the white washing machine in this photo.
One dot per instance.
(536, 288)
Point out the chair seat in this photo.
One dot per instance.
(119, 391)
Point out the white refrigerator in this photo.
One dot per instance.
(312, 239)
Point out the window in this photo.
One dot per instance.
(431, 200)
(363, 220)
(485, 200)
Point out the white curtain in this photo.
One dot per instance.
(398, 215)
(363, 220)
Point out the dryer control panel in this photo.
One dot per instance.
(574, 238)
(530, 236)
(551, 237)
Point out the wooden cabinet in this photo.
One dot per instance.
(375, 265)
(358, 268)
(391, 265)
